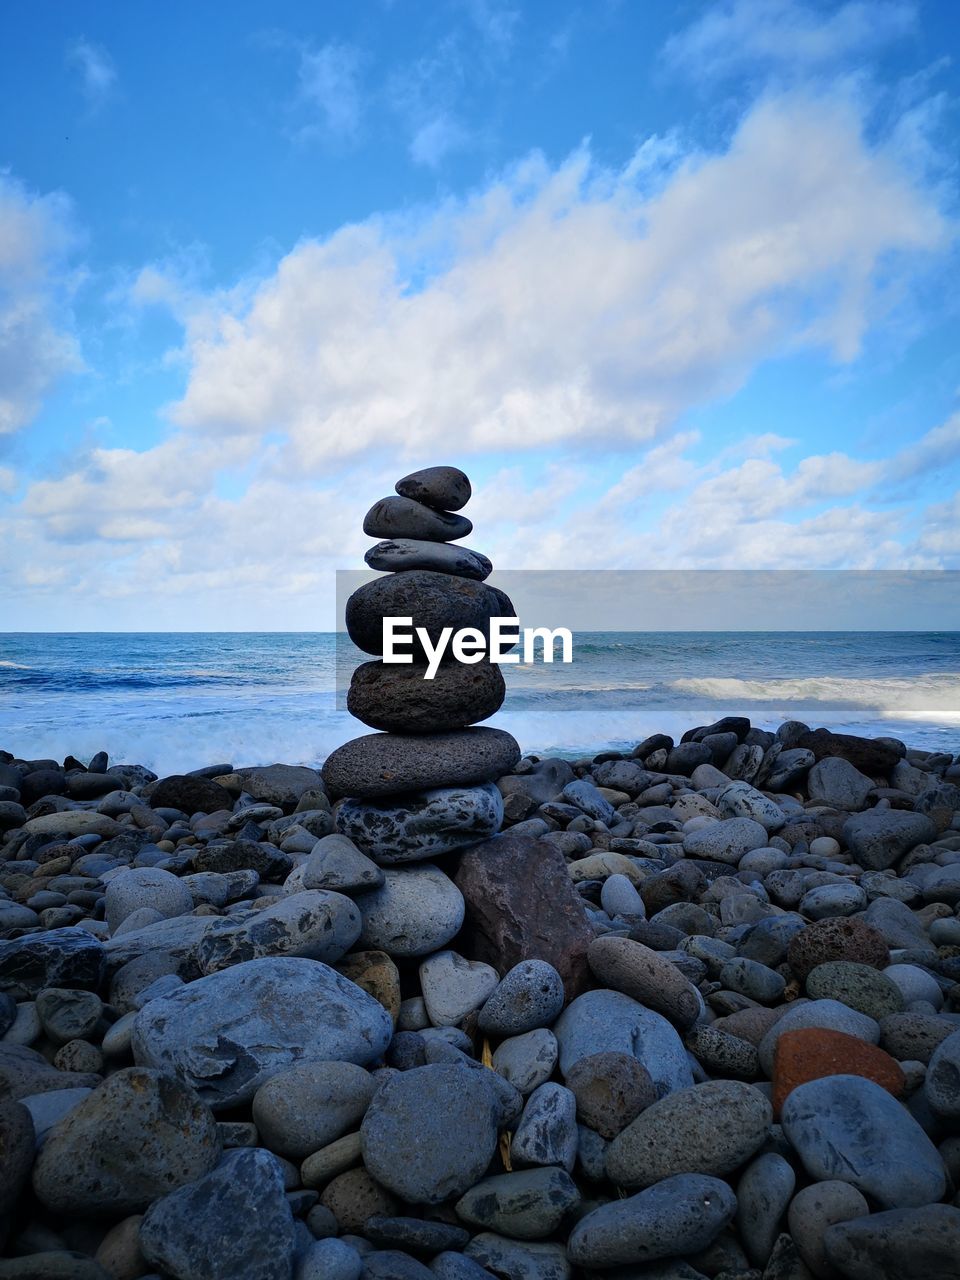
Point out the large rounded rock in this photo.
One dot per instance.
(316, 923)
(233, 1222)
(527, 1205)
(431, 1132)
(529, 996)
(880, 837)
(836, 782)
(725, 841)
(942, 1083)
(680, 1215)
(146, 887)
(858, 985)
(421, 826)
(848, 1128)
(400, 554)
(911, 1244)
(311, 1104)
(873, 756)
(417, 910)
(443, 488)
(399, 699)
(389, 764)
(136, 1137)
(225, 1035)
(837, 939)
(190, 795)
(711, 1128)
(431, 600)
(69, 957)
(611, 1089)
(610, 1022)
(17, 1150)
(399, 517)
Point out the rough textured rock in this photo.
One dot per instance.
(809, 1053)
(388, 764)
(530, 995)
(647, 976)
(611, 1089)
(190, 794)
(911, 1244)
(397, 555)
(442, 488)
(868, 755)
(315, 923)
(837, 939)
(880, 837)
(234, 1221)
(443, 1118)
(69, 957)
(431, 600)
(399, 699)
(226, 1034)
(279, 784)
(136, 1137)
(423, 825)
(401, 517)
(521, 905)
(526, 1205)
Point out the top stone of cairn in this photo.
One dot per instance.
(443, 488)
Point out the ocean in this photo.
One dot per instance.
(178, 701)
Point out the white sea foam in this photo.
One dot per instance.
(928, 697)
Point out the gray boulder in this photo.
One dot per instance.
(879, 838)
(608, 1021)
(315, 923)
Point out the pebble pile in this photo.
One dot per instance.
(693, 1012)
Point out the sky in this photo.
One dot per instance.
(675, 283)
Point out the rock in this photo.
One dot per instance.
(280, 784)
(24, 1072)
(225, 1035)
(431, 600)
(375, 973)
(618, 897)
(233, 1221)
(416, 1234)
(912, 1037)
(399, 699)
(388, 764)
(740, 800)
(763, 1193)
(836, 782)
(723, 1054)
(71, 823)
(131, 1140)
(711, 1128)
(858, 985)
(244, 855)
(827, 1015)
(309, 1105)
(915, 984)
(815, 1208)
(849, 1128)
(399, 554)
(443, 1119)
(611, 1089)
(353, 1197)
(17, 1150)
(608, 1021)
(399, 517)
(912, 1244)
(48, 1109)
(315, 923)
(119, 1251)
(329, 1259)
(752, 979)
(871, 756)
(320, 1167)
(647, 977)
(725, 841)
(880, 837)
(442, 488)
(416, 911)
(190, 795)
(521, 905)
(530, 995)
(146, 887)
(527, 1060)
(547, 1132)
(167, 946)
(336, 863)
(415, 827)
(681, 1215)
(942, 1083)
(527, 1205)
(840, 939)
(518, 1260)
(53, 1264)
(69, 957)
(454, 987)
(829, 900)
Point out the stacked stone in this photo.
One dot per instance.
(424, 784)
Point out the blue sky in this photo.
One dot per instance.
(674, 283)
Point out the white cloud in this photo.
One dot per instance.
(96, 69)
(737, 34)
(329, 85)
(37, 345)
(434, 140)
(565, 304)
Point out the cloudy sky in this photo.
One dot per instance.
(676, 283)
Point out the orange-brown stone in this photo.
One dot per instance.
(812, 1052)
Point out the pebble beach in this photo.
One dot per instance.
(443, 1009)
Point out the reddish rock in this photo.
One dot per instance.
(869, 755)
(837, 938)
(521, 905)
(810, 1053)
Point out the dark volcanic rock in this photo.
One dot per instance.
(384, 764)
(443, 488)
(190, 795)
(68, 957)
(912, 1244)
(405, 518)
(400, 554)
(17, 1149)
(522, 905)
(837, 938)
(399, 700)
(245, 855)
(422, 825)
(869, 755)
(432, 600)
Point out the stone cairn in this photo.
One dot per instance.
(424, 784)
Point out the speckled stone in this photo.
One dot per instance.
(861, 987)
(529, 995)
(839, 939)
(389, 764)
(529, 1204)
(611, 1090)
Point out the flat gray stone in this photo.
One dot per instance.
(547, 1132)
(726, 840)
(335, 863)
(453, 986)
(740, 800)
(146, 887)
(836, 782)
(226, 1034)
(421, 826)
(527, 1060)
(398, 554)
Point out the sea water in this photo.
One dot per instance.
(177, 701)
